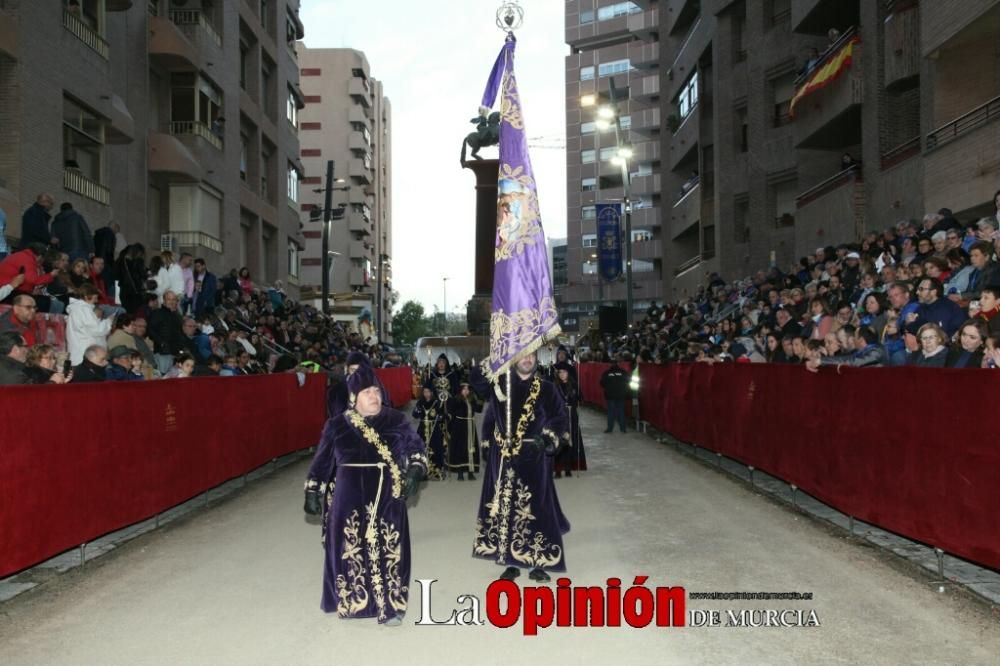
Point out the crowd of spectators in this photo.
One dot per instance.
(130, 317)
(919, 293)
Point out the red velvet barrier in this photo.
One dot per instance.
(589, 377)
(79, 461)
(398, 382)
(907, 449)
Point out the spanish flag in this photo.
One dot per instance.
(826, 73)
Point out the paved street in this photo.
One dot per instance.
(240, 582)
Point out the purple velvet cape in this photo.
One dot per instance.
(350, 586)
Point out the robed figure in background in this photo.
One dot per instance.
(463, 443)
(520, 523)
(369, 460)
(571, 457)
(432, 426)
(337, 394)
(444, 379)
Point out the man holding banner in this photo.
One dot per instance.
(520, 523)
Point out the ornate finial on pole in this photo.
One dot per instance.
(510, 16)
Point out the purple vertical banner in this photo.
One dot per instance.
(524, 315)
(609, 240)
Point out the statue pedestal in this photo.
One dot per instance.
(479, 307)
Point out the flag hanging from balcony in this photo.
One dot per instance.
(524, 314)
(826, 73)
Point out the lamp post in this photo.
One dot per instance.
(606, 113)
(328, 215)
(444, 308)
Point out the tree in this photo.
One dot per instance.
(409, 324)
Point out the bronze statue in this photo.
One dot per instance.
(487, 132)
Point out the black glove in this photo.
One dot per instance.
(412, 484)
(314, 502)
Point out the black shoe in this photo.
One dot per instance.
(510, 573)
(472, 477)
(539, 575)
(569, 472)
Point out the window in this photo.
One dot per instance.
(739, 38)
(614, 67)
(292, 108)
(587, 156)
(244, 63)
(244, 146)
(781, 10)
(265, 172)
(265, 15)
(83, 141)
(618, 9)
(643, 266)
(194, 99)
(587, 73)
(626, 121)
(588, 184)
(641, 235)
(687, 98)
(291, 32)
(783, 199)
(608, 153)
(293, 259)
(590, 240)
(266, 83)
(707, 242)
(741, 218)
(742, 144)
(586, 16)
(588, 127)
(196, 208)
(293, 183)
(588, 213)
(590, 267)
(784, 90)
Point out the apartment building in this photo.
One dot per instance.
(347, 120)
(909, 92)
(174, 118)
(612, 43)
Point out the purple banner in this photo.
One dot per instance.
(609, 240)
(524, 313)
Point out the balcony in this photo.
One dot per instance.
(121, 128)
(74, 181)
(360, 250)
(684, 140)
(644, 25)
(646, 56)
(687, 58)
(829, 117)
(85, 33)
(357, 169)
(648, 184)
(646, 218)
(178, 240)
(901, 52)
(358, 277)
(647, 250)
(647, 88)
(194, 128)
(196, 26)
(359, 114)
(357, 141)
(815, 17)
(679, 15)
(9, 34)
(168, 47)
(960, 160)
(170, 157)
(900, 153)
(830, 212)
(357, 223)
(686, 212)
(356, 195)
(360, 91)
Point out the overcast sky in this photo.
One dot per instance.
(434, 57)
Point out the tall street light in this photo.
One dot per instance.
(328, 214)
(608, 116)
(444, 309)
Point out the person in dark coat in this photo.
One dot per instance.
(520, 523)
(13, 352)
(205, 287)
(571, 456)
(104, 247)
(968, 353)
(933, 350)
(73, 232)
(368, 462)
(93, 367)
(615, 382)
(35, 222)
(130, 271)
(463, 443)
(432, 427)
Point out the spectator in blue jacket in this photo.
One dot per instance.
(205, 287)
(935, 309)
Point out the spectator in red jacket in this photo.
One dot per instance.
(19, 319)
(27, 262)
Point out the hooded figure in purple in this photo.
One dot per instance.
(368, 462)
(520, 523)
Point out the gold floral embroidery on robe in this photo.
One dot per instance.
(352, 592)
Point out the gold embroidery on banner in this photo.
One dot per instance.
(352, 593)
(516, 331)
(372, 438)
(510, 100)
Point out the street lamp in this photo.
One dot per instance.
(328, 213)
(606, 116)
(444, 309)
